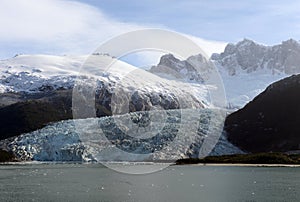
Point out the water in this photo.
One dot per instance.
(90, 182)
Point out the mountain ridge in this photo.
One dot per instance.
(248, 56)
(270, 122)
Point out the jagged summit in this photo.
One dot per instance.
(246, 67)
(246, 42)
(248, 56)
(291, 41)
(191, 69)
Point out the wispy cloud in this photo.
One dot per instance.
(55, 26)
(61, 27)
(268, 21)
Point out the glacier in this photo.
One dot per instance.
(182, 134)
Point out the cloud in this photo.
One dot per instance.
(209, 46)
(56, 27)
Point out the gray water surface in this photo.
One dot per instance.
(92, 182)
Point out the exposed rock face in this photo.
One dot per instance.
(32, 114)
(249, 56)
(191, 69)
(6, 156)
(271, 121)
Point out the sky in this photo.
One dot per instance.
(69, 27)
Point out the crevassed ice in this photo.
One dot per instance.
(62, 142)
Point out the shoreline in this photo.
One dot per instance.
(149, 163)
(242, 165)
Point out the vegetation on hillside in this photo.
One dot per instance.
(6, 156)
(258, 158)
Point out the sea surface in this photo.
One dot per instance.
(95, 182)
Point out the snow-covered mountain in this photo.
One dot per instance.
(120, 89)
(32, 73)
(247, 56)
(190, 70)
(40, 73)
(37, 84)
(246, 68)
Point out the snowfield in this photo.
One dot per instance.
(29, 73)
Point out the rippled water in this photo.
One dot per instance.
(91, 182)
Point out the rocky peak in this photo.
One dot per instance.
(245, 45)
(287, 46)
(248, 56)
(246, 42)
(291, 42)
(190, 69)
(169, 60)
(200, 59)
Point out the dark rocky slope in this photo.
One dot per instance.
(30, 114)
(257, 158)
(271, 122)
(22, 113)
(6, 156)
